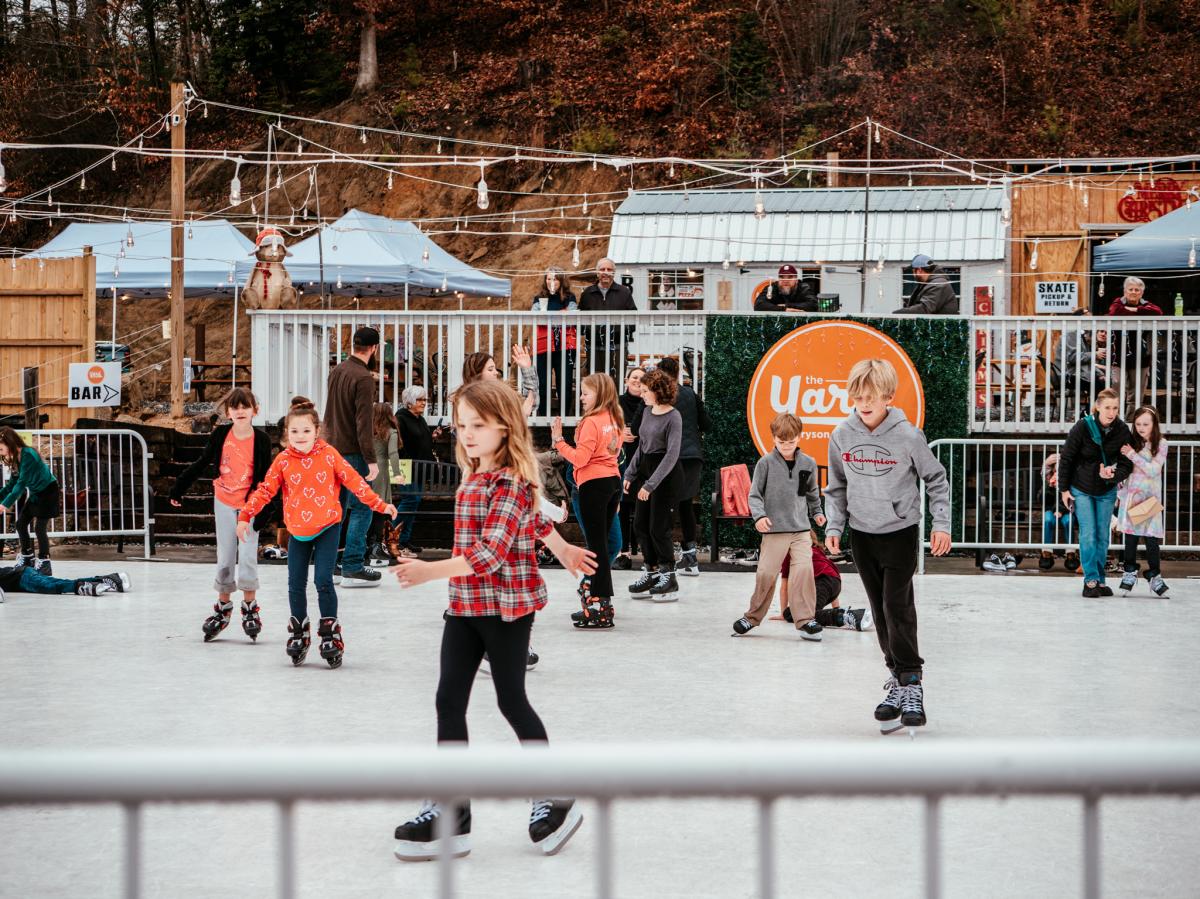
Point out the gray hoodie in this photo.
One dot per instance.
(874, 477)
(790, 498)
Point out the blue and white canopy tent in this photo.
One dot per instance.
(134, 258)
(371, 255)
(1167, 243)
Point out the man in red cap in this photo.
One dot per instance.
(788, 294)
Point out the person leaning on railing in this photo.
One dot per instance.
(416, 443)
(934, 294)
(555, 347)
(1134, 353)
(788, 294)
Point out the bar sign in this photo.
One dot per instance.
(1057, 296)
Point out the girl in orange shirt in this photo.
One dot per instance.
(310, 473)
(597, 442)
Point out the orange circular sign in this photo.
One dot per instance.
(805, 373)
(96, 374)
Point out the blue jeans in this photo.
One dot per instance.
(1050, 526)
(358, 521)
(322, 550)
(407, 504)
(35, 582)
(614, 530)
(1094, 515)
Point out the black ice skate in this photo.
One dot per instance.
(531, 660)
(332, 645)
(1158, 585)
(118, 581)
(416, 839)
(553, 822)
(640, 589)
(91, 588)
(597, 613)
(217, 621)
(887, 713)
(912, 707)
(688, 565)
(666, 588)
(27, 560)
(43, 566)
(299, 641)
(379, 557)
(811, 631)
(1128, 582)
(251, 622)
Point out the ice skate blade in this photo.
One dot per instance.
(665, 597)
(890, 727)
(687, 572)
(554, 843)
(408, 851)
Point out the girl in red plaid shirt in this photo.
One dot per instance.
(495, 590)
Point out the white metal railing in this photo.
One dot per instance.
(1088, 769)
(1039, 374)
(295, 349)
(104, 476)
(1001, 498)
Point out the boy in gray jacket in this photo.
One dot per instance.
(784, 499)
(877, 460)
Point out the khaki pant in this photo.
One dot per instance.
(802, 590)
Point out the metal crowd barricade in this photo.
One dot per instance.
(104, 476)
(1039, 374)
(1086, 769)
(1000, 497)
(295, 350)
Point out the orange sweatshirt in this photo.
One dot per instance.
(311, 484)
(597, 442)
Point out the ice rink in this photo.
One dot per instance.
(1016, 655)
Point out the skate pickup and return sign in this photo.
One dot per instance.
(94, 384)
(1057, 296)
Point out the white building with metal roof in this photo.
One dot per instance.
(713, 249)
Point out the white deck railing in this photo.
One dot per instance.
(1037, 375)
(1087, 769)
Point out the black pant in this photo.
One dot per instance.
(652, 518)
(886, 563)
(464, 641)
(37, 511)
(598, 502)
(560, 363)
(1153, 559)
(691, 469)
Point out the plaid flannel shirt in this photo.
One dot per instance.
(495, 529)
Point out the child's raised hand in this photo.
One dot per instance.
(411, 572)
(833, 543)
(243, 529)
(819, 520)
(763, 525)
(520, 357)
(939, 543)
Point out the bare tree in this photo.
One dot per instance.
(810, 36)
(368, 60)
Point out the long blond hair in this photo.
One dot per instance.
(495, 401)
(606, 401)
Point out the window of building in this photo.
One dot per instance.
(677, 288)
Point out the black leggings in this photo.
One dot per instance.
(598, 502)
(37, 511)
(652, 519)
(464, 641)
(1153, 559)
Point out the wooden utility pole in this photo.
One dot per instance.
(178, 143)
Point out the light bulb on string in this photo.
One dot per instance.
(129, 237)
(389, 180)
(41, 263)
(910, 179)
(114, 162)
(973, 178)
(304, 214)
(575, 254)
(292, 218)
(235, 185)
(524, 226)
(140, 146)
(725, 264)
(585, 204)
(809, 173)
(1100, 291)
(49, 198)
(278, 180)
(671, 170)
(877, 137)
(456, 225)
(3, 179)
(425, 255)
(481, 198)
(117, 270)
(362, 135)
(1084, 197)
(204, 111)
(760, 209)
(339, 281)
(121, 253)
(253, 207)
(1033, 259)
(562, 212)
(439, 146)
(589, 223)
(444, 282)
(593, 163)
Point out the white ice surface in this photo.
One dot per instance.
(1005, 656)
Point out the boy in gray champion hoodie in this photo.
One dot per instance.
(877, 460)
(784, 499)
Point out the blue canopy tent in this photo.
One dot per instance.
(1167, 243)
(212, 251)
(371, 255)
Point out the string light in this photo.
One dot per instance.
(362, 135)
(278, 179)
(1100, 292)
(3, 179)
(671, 170)
(585, 204)
(444, 282)
(481, 197)
(725, 264)
(389, 180)
(235, 185)
(760, 209)
(204, 111)
(1033, 259)
(129, 237)
(114, 162)
(425, 255)
(338, 285)
(575, 254)
(1084, 197)
(253, 207)
(121, 253)
(877, 137)
(589, 223)
(439, 147)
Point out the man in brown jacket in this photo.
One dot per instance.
(350, 397)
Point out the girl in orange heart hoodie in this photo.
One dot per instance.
(311, 474)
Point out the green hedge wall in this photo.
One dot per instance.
(938, 346)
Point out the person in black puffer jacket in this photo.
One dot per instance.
(1089, 468)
